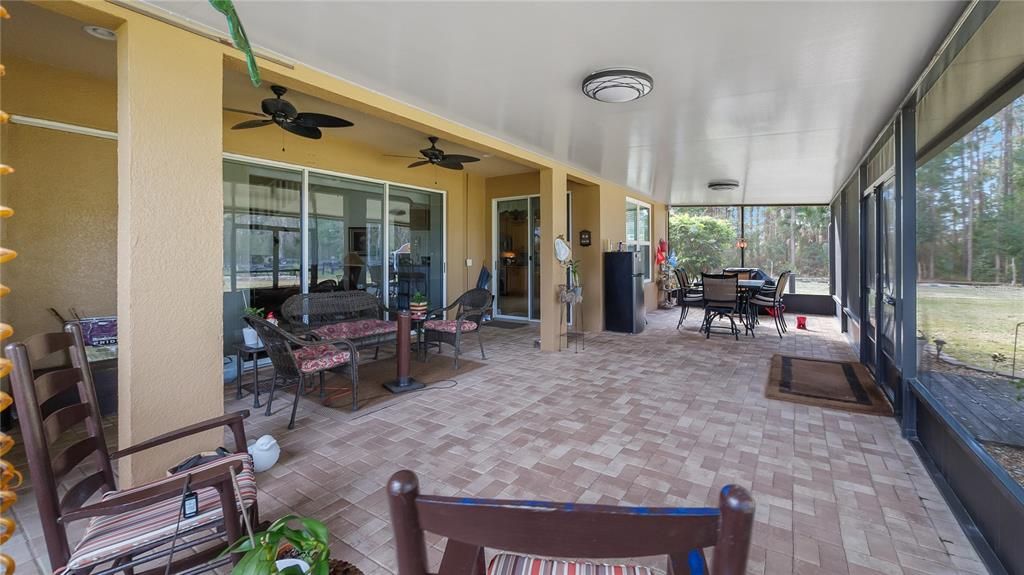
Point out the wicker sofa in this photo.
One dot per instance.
(357, 316)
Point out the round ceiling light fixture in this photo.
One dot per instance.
(617, 85)
(100, 32)
(723, 185)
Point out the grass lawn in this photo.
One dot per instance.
(975, 322)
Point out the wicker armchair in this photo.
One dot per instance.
(688, 296)
(295, 359)
(721, 300)
(471, 307)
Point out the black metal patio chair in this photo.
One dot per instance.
(688, 296)
(721, 300)
(773, 302)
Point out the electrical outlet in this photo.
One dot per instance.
(469, 262)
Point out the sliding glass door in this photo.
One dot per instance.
(346, 246)
(416, 240)
(262, 233)
(290, 229)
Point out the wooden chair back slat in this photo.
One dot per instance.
(568, 530)
(72, 455)
(64, 419)
(80, 492)
(54, 383)
(41, 345)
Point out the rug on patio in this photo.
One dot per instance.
(843, 385)
(438, 371)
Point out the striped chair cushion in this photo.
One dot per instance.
(763, 301)
(314, 358)
(356, 329)
(449, 325)
(111, 536)
(693, 298)
(512, 564)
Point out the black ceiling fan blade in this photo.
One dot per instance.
(311, 132)
(450, 164)
(418, 164)
(403, 157)
(314, 120)
(460, 158)
(273, 106)
(237, 111)
(251, 124)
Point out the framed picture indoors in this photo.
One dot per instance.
(358, 240)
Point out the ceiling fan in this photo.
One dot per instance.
(283, 113)
(436, 156)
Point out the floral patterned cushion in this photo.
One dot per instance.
(315, 358)
(449, 325)
(356, 329)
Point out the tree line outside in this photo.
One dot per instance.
(970, 245)
(779, 238)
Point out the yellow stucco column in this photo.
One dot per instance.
(553, 216)
(169, 240)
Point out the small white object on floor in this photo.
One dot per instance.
(265, 452)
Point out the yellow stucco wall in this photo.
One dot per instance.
(64, 192)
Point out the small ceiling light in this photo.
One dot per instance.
(617, 85)
(723, 185)
(100, 32)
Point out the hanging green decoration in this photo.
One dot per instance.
(238, 37)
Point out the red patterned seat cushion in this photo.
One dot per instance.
(449, 325)
(512, 564)
(110, 536)
(356, 329)
(315, 358)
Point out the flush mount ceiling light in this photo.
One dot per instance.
(617, 85)
(723, 185)
(100, 32)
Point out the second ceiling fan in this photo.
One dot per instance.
(436, 156)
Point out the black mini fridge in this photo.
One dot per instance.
(624, 292)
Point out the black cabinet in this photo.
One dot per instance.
(624, 309)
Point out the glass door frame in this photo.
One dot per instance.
(873, 338)
(494, 256)
(304, 215)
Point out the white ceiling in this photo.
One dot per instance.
(783, 96)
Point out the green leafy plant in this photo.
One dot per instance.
(574, 271)
(418, 297)
(256, 311)
(310, 543)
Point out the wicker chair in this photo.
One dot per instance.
(687, 296)
(471, 307)
(721, 300)
(533, 531)
(295, 359)
(773, 302)
(132, 529)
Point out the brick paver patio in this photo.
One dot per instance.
(662, 418)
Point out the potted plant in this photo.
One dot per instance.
(249, 335)
(418, 304)
(574, 279)
(285, 550)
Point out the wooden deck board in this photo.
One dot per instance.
(986, 407)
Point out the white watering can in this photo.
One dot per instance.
(264, 451)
